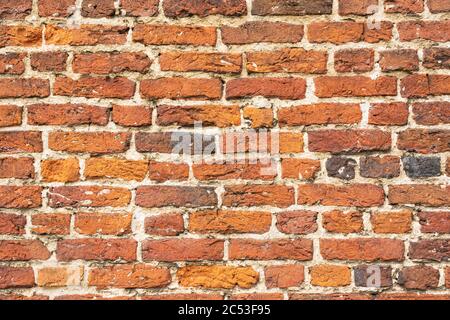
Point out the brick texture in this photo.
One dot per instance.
(226, 149)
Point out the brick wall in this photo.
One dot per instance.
(350, 201)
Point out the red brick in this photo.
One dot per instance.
(89, 142)
(10, 115)
(182, 88)
(24, 88)
(392, 222)
(354, 60)
(284, 276)
(330, 275)
(282, 88)
(67, 114)
(343, 222)
(129, 277)
(132, 116)
(12, 224)
(430, 250)
(23, 250)
(356, 195)
(362, 249)
(335, 32)
(258, 117)
(51, 8)
(12, 63)
(166, 171)
(287, 60)
(167, 142)
(357, 7)
(297, 8)
(174, 35)
(424, 141)
(247, 171)
(438, 31)
(437, 6)
(226, 222)
(16, 277)
(97, 8)
(120, 88)
(387, 167)
(51, 61)
(355, 86)
(404, 6)
(281, 249)
(257, 296)
(203, 8)
(20, 141)
(15, 9)
(18, 168)
(60, 170)
(420, 194)
(113, 168)
(175, 196)
(389, 114)
(349, 141)
(86, 35)
(323, 113)
(171, 224)
(20, 36)
(139, 8)
(419, 278)
(258, 195)
(117, 224)
(300, 169)
(25, 197)
(423, 85)
(399, 60)
(436, 58)
(171, 250)
(96, 249)
(50, 224)
(262, 31)
(297, 222)
(115, 62)
(73, 196)
(434, 222)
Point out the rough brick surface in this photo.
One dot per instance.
(224, 149)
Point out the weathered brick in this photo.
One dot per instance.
(10, 115)
(360, 249)
(132, 116)
(51, 8)
(438, 31)
(422, 167)
(97, 8)
(12, 63)
(423, 85)
(437, 6)
(229, 222)
(171, 224)
(75, 197)
(287, 60)
(23, 250)
(284, 276)
(257, 296)
(203, 8)
(349, 141)
(424, 141)
(431, 113)
(387, 167)
(112, 168)
(67, 114)
(373, 276)
(139, 8)
(96, 250)
(354, 60)
(98, 87)
(56, 277)
(355, 86)
(24, 88)
(392, 222)
(389, 114)
(419, 278)
(89, 142)
(197, 61)
(217, 277)
(434, 222)
(107, 63)
(357, 7)
(297, 222)
(404, 6)
(18, 168)
(116, 224)
(25, 197)
(293, 8)
(182, 88)
(330, 275)
(20, 36)
(436, 58)
(275, 249)
(399, 60)
(208, 115)
(60, 170)
(20, 141)
(174, 35)
(355, 195)
(258, 117)
(86, 35)
(343, 222)
(50, 224)
(51, 61)
(341, 168)
(174, 142)
(15, 9)
(129, 277)
(282, 88)
(420, 194)
(433, 250)
(245, 171)
(303, 169)
(182, 250)
(175, 196)
(165, 171)
(16, 277)
(262, 31)
(12, 224)
(258, 195)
